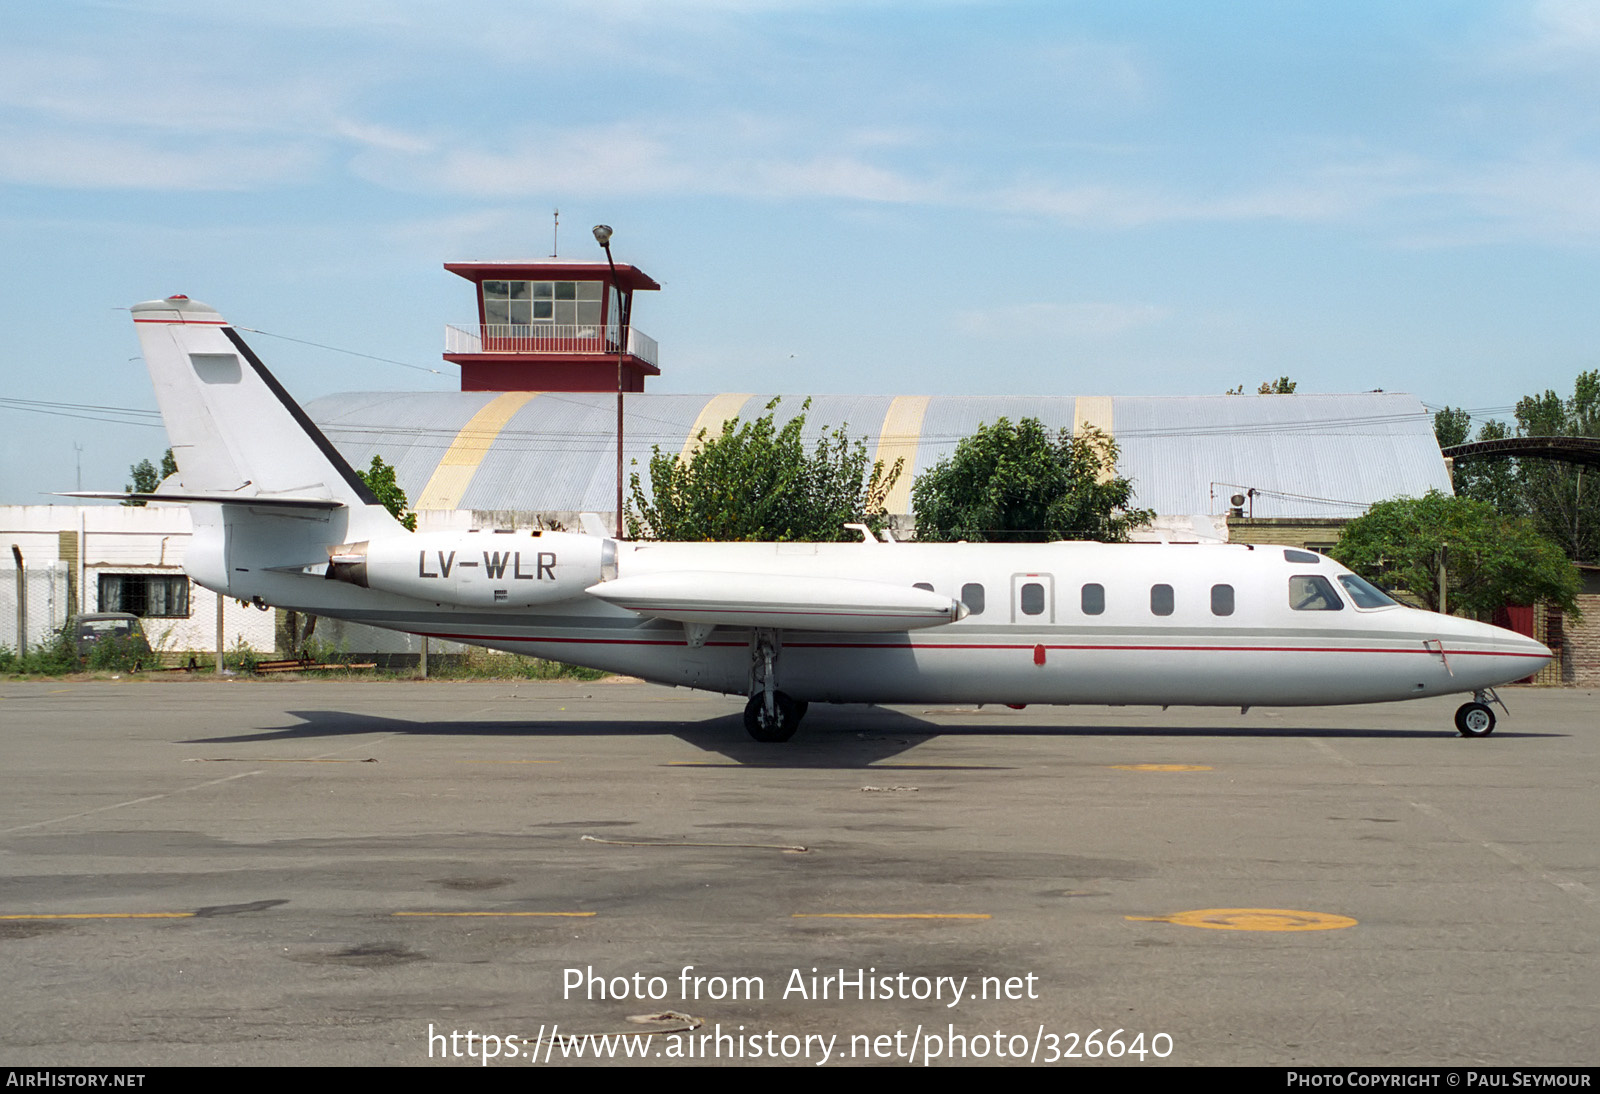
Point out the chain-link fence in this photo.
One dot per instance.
(45, 592)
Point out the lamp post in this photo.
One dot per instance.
(602, 236)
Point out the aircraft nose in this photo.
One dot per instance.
(1517, 646)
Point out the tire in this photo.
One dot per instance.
(761, 728)
(1474, 720)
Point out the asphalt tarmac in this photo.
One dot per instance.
(220, 872)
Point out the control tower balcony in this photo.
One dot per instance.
(552, 325)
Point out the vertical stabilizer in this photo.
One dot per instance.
(234, 429)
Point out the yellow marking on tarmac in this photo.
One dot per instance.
(496, 915)
(891, 915)
(253, 760)
(106, 915)
(508, 761)
(1252, 919)
(58, 691)
(1093, 412)
(460, 462)
(786, 848)
(898, 439)
(1159, 767)
(718, 410)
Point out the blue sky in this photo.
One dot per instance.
(923, 197)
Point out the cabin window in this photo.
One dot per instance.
(1161, 599)
(1301, 556)
(1365, 594)
(923, 585)
(164, 596)
(1094, 599)
(972, 597)
(1313, 593)
(1032, 599)
(1222, 600)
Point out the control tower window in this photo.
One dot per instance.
(531, 303)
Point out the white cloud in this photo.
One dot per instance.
(90, 162)
(1560, 33)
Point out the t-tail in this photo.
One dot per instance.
(274, 494)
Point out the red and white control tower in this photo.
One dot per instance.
(551, 325)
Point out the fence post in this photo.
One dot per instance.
(22, 603)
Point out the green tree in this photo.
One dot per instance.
(146, 477)
(1017, 483)
(755, 481)
(1490, 559)
(1281, 386)
(1490, 479)
(1563, 499)
(381, 481)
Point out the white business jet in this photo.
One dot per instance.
(281, 519)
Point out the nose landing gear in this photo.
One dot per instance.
(1476, 719)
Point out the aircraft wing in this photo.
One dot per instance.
(279, 500)
(779, 600)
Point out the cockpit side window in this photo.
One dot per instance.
(1291, 555)
(1313, 593)
(1365, 594)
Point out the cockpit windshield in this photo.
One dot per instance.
(1365, 594)
(1313, 593)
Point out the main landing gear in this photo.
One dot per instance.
(777, 725)
(1476, 719)
(770, 716)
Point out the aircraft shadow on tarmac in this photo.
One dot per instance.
(832, 736)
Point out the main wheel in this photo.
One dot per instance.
(772, 730)
(1475, 720)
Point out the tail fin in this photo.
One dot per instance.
(236, 434)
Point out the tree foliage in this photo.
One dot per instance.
(381, 481)
(755, 481)
(1281, 386)
(146, 477)
(1490, 560)
(1494, 481)
(1017, 483)
(1562, 500)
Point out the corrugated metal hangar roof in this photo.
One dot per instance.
(1304, 455)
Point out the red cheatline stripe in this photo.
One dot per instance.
(188, 322)
(972, 646)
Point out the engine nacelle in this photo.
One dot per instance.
(477, 569)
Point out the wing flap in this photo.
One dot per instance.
(785, 601)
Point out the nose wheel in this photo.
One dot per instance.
(1475, 720)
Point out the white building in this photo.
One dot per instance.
(103, 558)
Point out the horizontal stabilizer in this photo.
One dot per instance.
(780, 600)
(265, 500)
